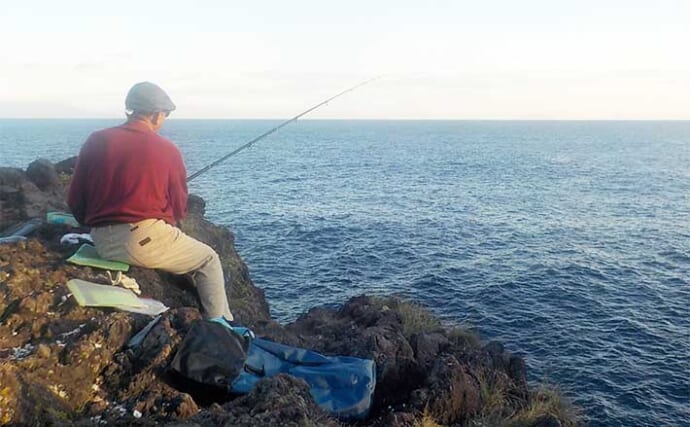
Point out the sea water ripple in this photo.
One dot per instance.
(568, 241)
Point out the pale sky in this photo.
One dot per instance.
(527, 59)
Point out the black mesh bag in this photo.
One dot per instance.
(209, 359)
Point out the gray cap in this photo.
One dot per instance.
(147, 97)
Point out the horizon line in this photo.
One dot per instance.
(380, 119)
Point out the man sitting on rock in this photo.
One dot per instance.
(129, 185)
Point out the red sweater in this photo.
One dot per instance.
(126, 174)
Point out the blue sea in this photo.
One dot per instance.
(568, 241)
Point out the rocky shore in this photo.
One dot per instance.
(62, 364)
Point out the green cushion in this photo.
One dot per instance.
(87, 255)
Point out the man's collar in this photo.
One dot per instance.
(139, 125)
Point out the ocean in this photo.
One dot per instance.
(567, 241)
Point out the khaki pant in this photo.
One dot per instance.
(153, 243)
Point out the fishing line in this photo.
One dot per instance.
(265, 134)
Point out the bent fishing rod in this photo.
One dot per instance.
(265, 134)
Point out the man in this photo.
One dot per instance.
(129, 185)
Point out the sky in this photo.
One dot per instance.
(528, 59)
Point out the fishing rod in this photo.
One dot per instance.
(265, 134)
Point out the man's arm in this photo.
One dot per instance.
(177, 189)
(76, 197)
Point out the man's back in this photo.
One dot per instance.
(126, 174)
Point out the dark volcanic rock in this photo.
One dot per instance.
(418, 365)
(547, 420)
(427, 346)
(18, 197)
(279, 401)
(451, 391)
(62, 364)
(43, 174)
(66, 166)
(71, 360)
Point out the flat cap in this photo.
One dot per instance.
(147, 97)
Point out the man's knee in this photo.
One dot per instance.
(212, 267)
(212, 257)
